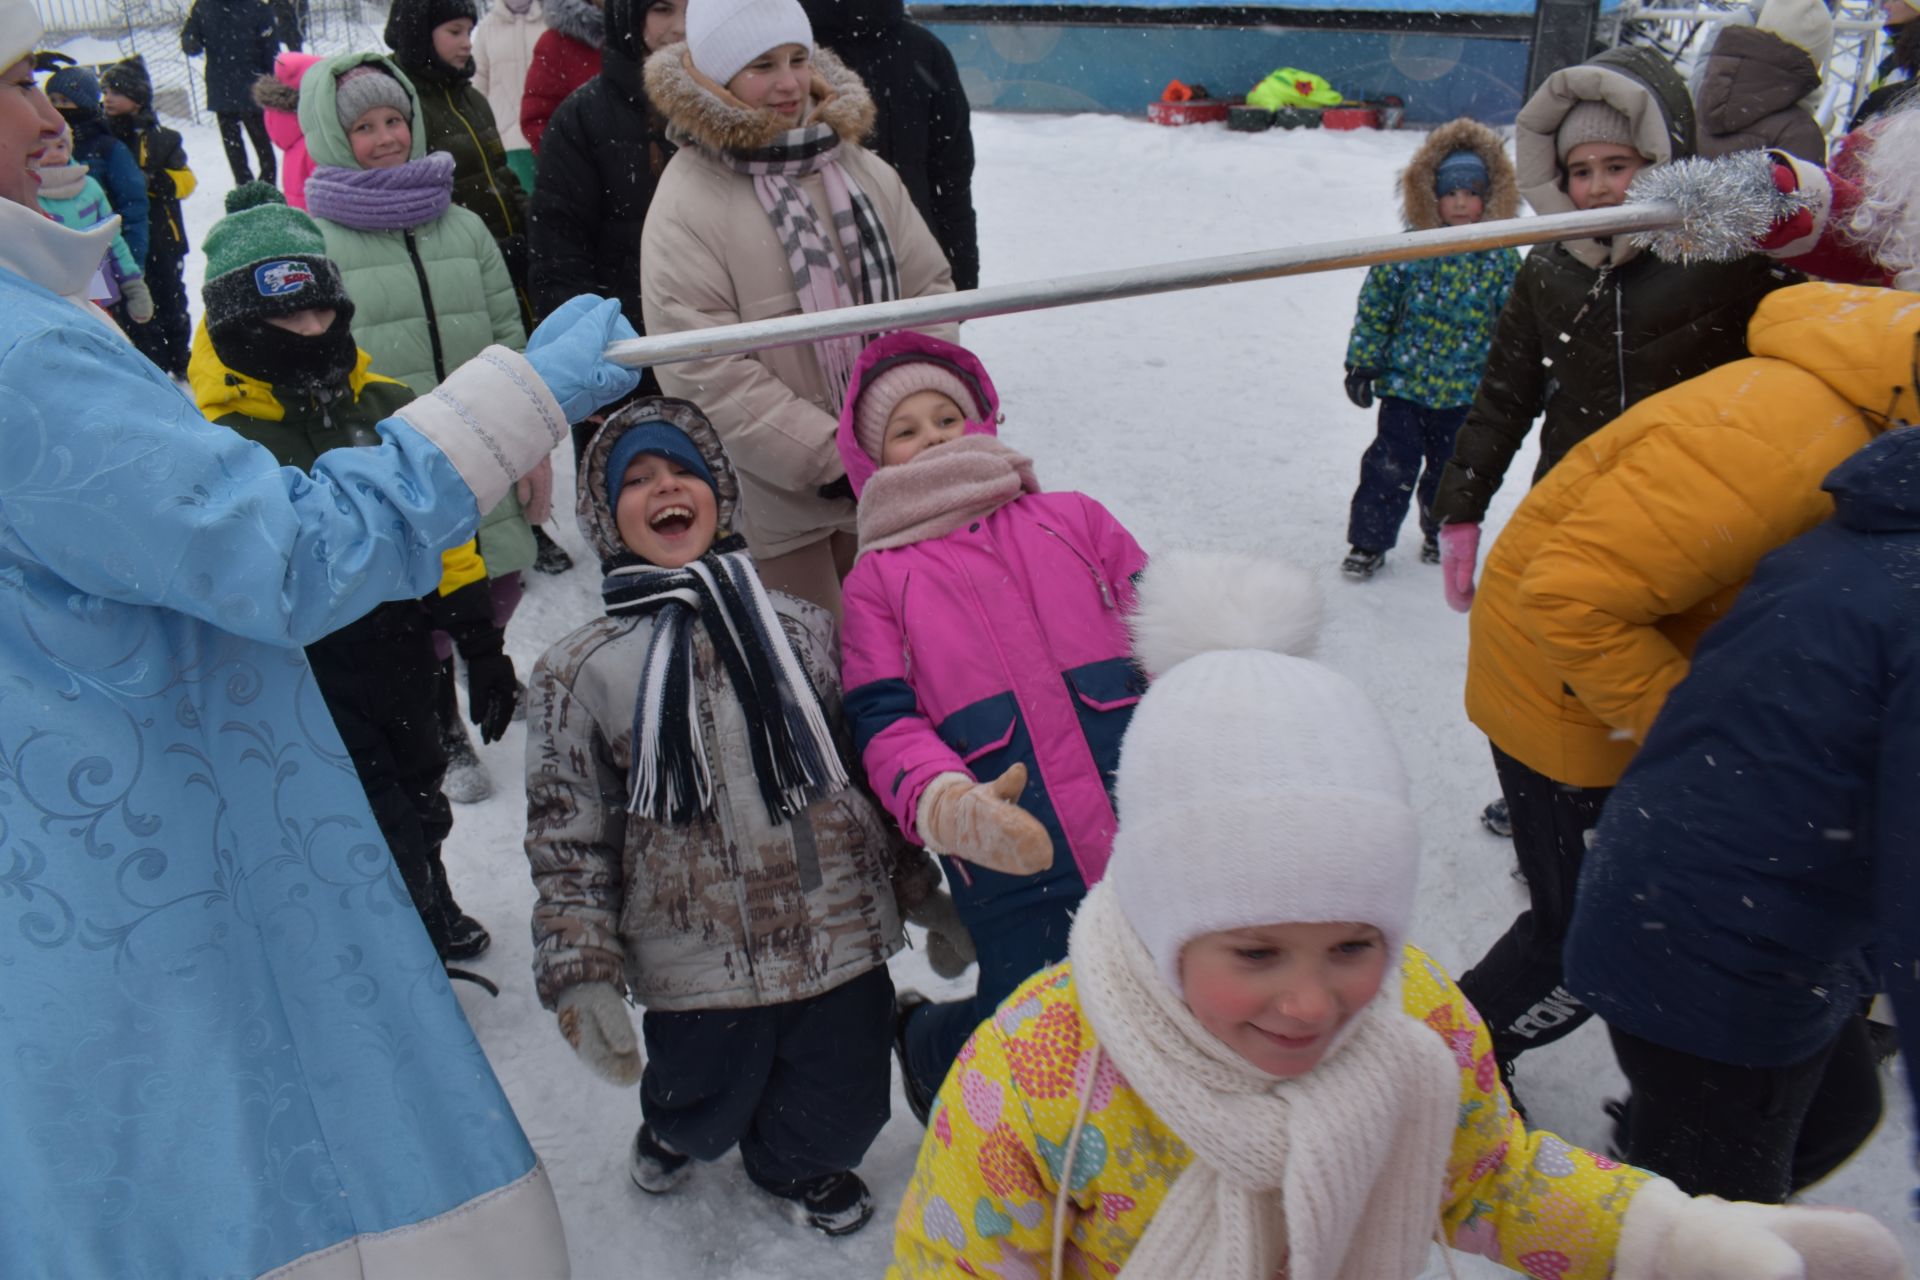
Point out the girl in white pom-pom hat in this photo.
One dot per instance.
(1243, 1071)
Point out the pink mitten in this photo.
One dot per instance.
(535, 491)
(1459, 552)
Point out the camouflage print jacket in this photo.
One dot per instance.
(730, 911)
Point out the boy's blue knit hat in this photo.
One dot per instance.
(1462, 171)
(79, 86)
(661, 439)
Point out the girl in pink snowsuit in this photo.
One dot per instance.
(986, 661)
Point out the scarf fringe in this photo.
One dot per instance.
(795, 757)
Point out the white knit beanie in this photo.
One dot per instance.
(725, 35)
(1591, 121)
(20, 31)
(880, 397)
(1255, 787)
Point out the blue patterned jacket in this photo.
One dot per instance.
(1427, 325)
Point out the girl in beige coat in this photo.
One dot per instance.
(771, 207)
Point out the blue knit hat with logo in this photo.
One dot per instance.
(1462, 171)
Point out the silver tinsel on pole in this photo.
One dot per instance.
(1726, 205)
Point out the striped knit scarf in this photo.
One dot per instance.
(818, 279)
(795, 758)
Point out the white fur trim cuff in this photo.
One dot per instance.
(494, 419)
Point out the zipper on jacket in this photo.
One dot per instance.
(1099, 579)
(906, 640)
(426, 296)
(1620, 348)
(505, 214)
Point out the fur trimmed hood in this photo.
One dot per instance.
(577, 20)
(1420, 208)
(705, 114)
(595, 514)
(271, 94)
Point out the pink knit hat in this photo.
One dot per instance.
(879, 398)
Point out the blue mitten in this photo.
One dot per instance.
(567, 351)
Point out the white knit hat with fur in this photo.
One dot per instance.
(1255, 787)
(20, 31)
(725, 35)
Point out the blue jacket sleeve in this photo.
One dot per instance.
(114, 481)
(127, 192)
(1371, 345)
(1897, 855)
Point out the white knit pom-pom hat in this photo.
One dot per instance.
(725, 35)
(1255, 786)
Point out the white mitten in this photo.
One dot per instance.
(593, 1018)
(949, 945)
(1670, 1235)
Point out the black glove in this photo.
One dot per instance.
(491, 685)
(1360, 387)
(841, 488)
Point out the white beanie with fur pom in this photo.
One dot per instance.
(1255, 786)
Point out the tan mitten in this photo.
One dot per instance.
(593, 1017)
(982, 823)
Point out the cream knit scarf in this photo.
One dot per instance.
(1334, 1175)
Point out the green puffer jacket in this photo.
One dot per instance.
(1593, 327)
(390, 275)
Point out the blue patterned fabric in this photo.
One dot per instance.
(1427, 325)
(225, 1041)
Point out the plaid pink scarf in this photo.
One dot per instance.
(818, 280)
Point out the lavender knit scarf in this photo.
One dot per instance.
(383, 199)
(818, 279)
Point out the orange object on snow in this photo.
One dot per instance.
(1176, 91)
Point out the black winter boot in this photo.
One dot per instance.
(550, 558)
(1362, 564)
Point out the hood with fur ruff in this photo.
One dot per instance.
(577, 20)
(702, 112)
(1420, 207)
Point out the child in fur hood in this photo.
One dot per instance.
(698, 848)
(1244, 1071)
(986, 665)
(1420, 338)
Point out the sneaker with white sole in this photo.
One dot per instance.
(1362, 564)
(655, 1167)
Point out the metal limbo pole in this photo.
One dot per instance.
(1133, 282)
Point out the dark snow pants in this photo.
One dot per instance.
(381, 695)
(1749, 1133)
(1012, 944)
(255, 123)
(167, 339)
(1517, 986)
(1410, 449)
(802, 1088)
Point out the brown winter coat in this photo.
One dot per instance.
(1592, 327)
(1420, 207)
(1749, 99)
(729, 911)
(709, 256)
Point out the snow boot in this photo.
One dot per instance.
(919, 1101)
(1495, 818)
(467, 780)
(655, 1167)
(834, 1204)
(549, 558)
(1430, 549)
(1362, 564)
(467, 938)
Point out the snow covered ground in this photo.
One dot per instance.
(1207, 419)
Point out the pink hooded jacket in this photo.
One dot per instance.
(283, 126)
(1004, 641)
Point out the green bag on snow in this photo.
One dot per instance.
(1292, 87)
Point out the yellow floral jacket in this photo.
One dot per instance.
(982, 1195)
